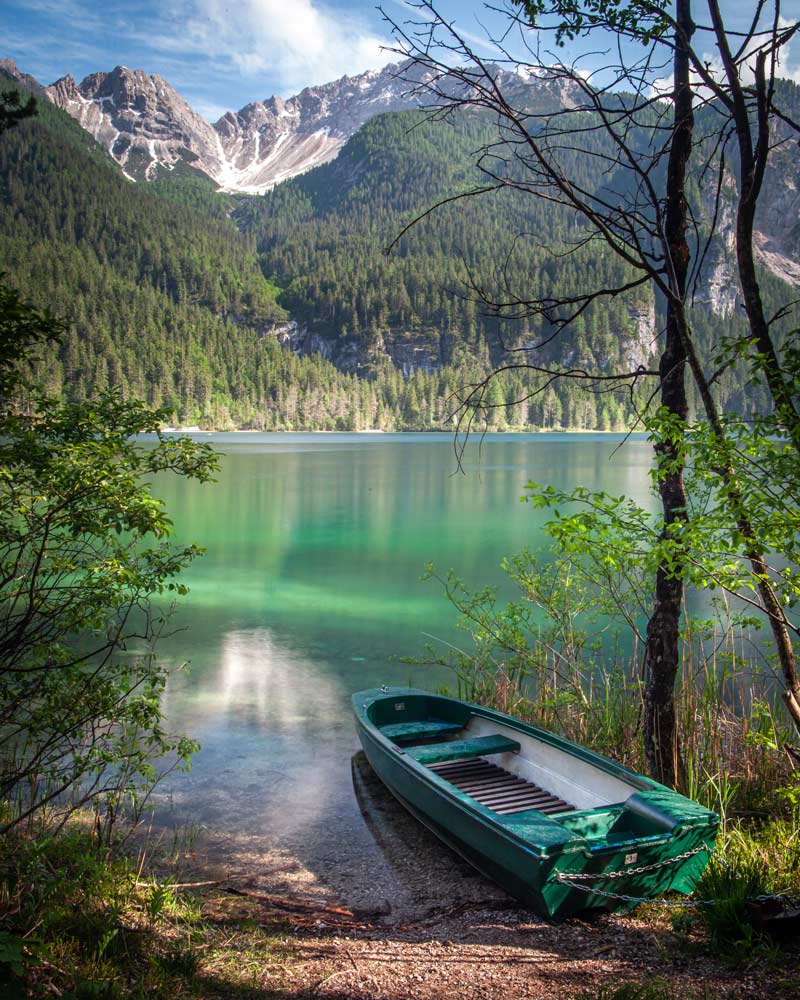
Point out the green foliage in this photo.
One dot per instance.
(163, 298)
(84, 919)
(161, 896)
(83, 551)
(753, 860)
(323, 237)
(732, 886)
(638, 19)
(13, 959)
(20, 324)
(14, 108)
(552, 655)
(706, 546)
(765, 484)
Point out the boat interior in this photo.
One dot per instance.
(512, 772)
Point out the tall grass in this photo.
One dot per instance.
(83, 918)
(553, 658)
(560, 661)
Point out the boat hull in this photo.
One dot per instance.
(549, 865)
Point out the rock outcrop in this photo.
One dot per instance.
(148, 127)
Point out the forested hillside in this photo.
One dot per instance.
(323, 237)
(162, 294)
(165, 298)
(181, 296)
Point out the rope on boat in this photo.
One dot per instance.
(573, 880)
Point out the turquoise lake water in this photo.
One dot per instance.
(309, 590)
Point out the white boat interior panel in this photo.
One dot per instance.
(564, 775)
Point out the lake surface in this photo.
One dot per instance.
(309, 590)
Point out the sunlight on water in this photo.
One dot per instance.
(297, 597)
(260, 683)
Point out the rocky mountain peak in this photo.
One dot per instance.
(148, 127)
(141, 120)
(10, 72)
(64, 90)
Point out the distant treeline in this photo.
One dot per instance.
(171, 290)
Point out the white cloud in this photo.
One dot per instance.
(299, 42)
(789, 67)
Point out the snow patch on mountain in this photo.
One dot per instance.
(249, 150)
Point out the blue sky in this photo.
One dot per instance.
(221, 54)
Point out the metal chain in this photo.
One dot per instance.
(634, 871)
(682, 903)
(792, 900)
(572, 880)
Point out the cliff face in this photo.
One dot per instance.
(147, 126)
(408, 351)
(777, 222)
(778, 217)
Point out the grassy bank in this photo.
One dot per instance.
(82, 919)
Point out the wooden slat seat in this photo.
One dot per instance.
(420, 730)
(499, 790)
(462, 749)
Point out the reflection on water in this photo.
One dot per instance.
(264, 684)
(273, 782)
(270, 722)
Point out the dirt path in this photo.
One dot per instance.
(425, 925)
(485, 953)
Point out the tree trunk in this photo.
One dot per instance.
(661, 743)
(752, 167)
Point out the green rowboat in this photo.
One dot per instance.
(559, 827)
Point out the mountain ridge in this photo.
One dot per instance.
(151, 131)
(148, 127)
(318, 240)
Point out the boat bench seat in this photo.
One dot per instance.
(462, 749)
(420, 730)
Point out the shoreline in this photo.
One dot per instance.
(194, 429)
